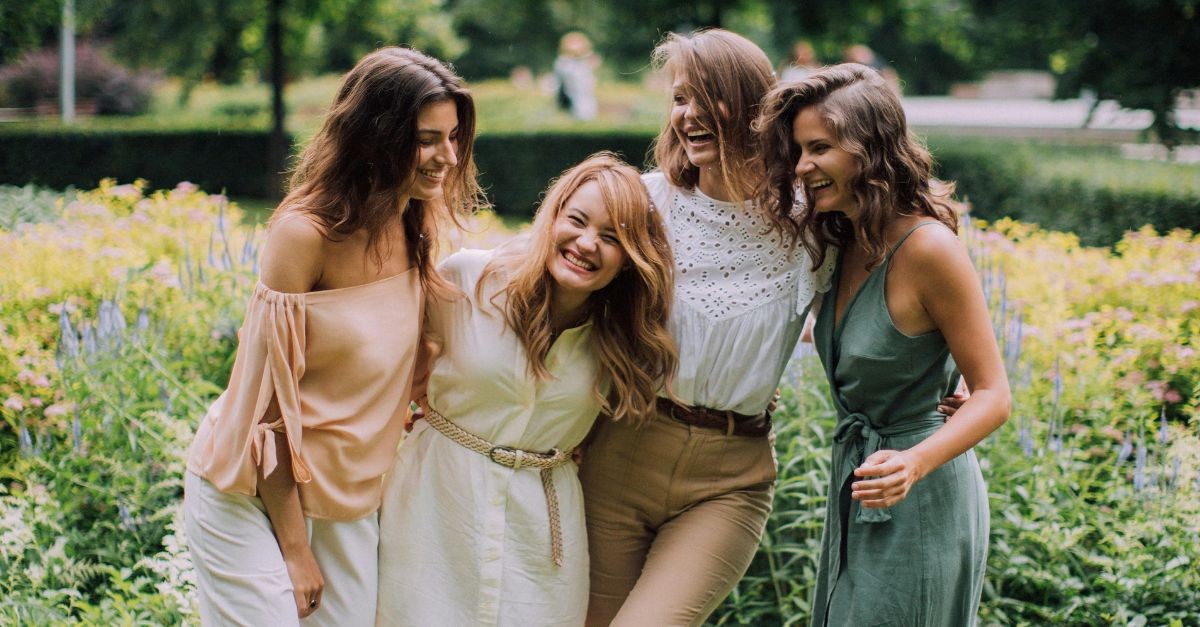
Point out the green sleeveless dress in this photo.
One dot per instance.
(922, 561)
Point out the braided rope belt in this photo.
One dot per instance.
(516, 459)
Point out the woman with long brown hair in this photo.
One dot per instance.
(907, 524)
(285, 473)
(482, 517)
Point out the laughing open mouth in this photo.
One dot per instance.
(577, 261)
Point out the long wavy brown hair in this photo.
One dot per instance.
(868, 121)
(357, 169)
(727, 75)
(629, 337)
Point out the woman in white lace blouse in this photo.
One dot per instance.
(675, 509)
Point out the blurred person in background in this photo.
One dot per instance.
(864, 55)
(802, 62)
(575, 71)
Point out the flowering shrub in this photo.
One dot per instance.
(115, 90)
(1095, 486)
(118, 318)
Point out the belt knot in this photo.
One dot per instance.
(856, 431)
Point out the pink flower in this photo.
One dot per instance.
(25, 376)
(1075, 323)
(35, 401)
(14, 403)
(1134, 378)
(125, 191)
(1173, 396)
(41, 381)
(164, 274)
(55, 411)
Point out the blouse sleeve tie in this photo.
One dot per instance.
(285, 364)
(262, 446)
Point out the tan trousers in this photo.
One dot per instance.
(674, 516)
(240, 574)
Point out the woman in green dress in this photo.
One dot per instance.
(906, 529)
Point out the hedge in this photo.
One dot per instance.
(515, 169)
(1089, 191)
(234, 161)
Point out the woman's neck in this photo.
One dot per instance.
(566, 310)
(711, 183)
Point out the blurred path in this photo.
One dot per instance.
(1033, 118)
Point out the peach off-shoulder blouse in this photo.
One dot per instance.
(331, 371)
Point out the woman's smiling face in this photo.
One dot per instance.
(587, 254)
(826, 169)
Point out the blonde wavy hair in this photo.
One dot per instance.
(867, 120)
(359, 165)
(633, 349)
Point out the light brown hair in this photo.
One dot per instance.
(727, 76)
(629, 337)
(358, 167)
(867, 120)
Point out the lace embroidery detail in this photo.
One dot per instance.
(727, 261)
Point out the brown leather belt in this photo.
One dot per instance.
(731, 422)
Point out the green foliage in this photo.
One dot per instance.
(778, 587)
(32, 24)
(104, 371)
(1141, 53)
(1072, 544)
(349, 30)
(1088, 191)
(235, 161)
(29, 205)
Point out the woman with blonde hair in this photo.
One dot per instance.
(482, 519)
(676, 508)
(285, 474)
(906, 529)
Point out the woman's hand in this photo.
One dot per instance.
(891, 476)
(307, 582)
(774, 404)
(950, 404)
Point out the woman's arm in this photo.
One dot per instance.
(292, 262)
(948, 290)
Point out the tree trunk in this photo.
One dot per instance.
(279, 140)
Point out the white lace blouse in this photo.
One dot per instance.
(741, 295)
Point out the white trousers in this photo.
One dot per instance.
(240, 573)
